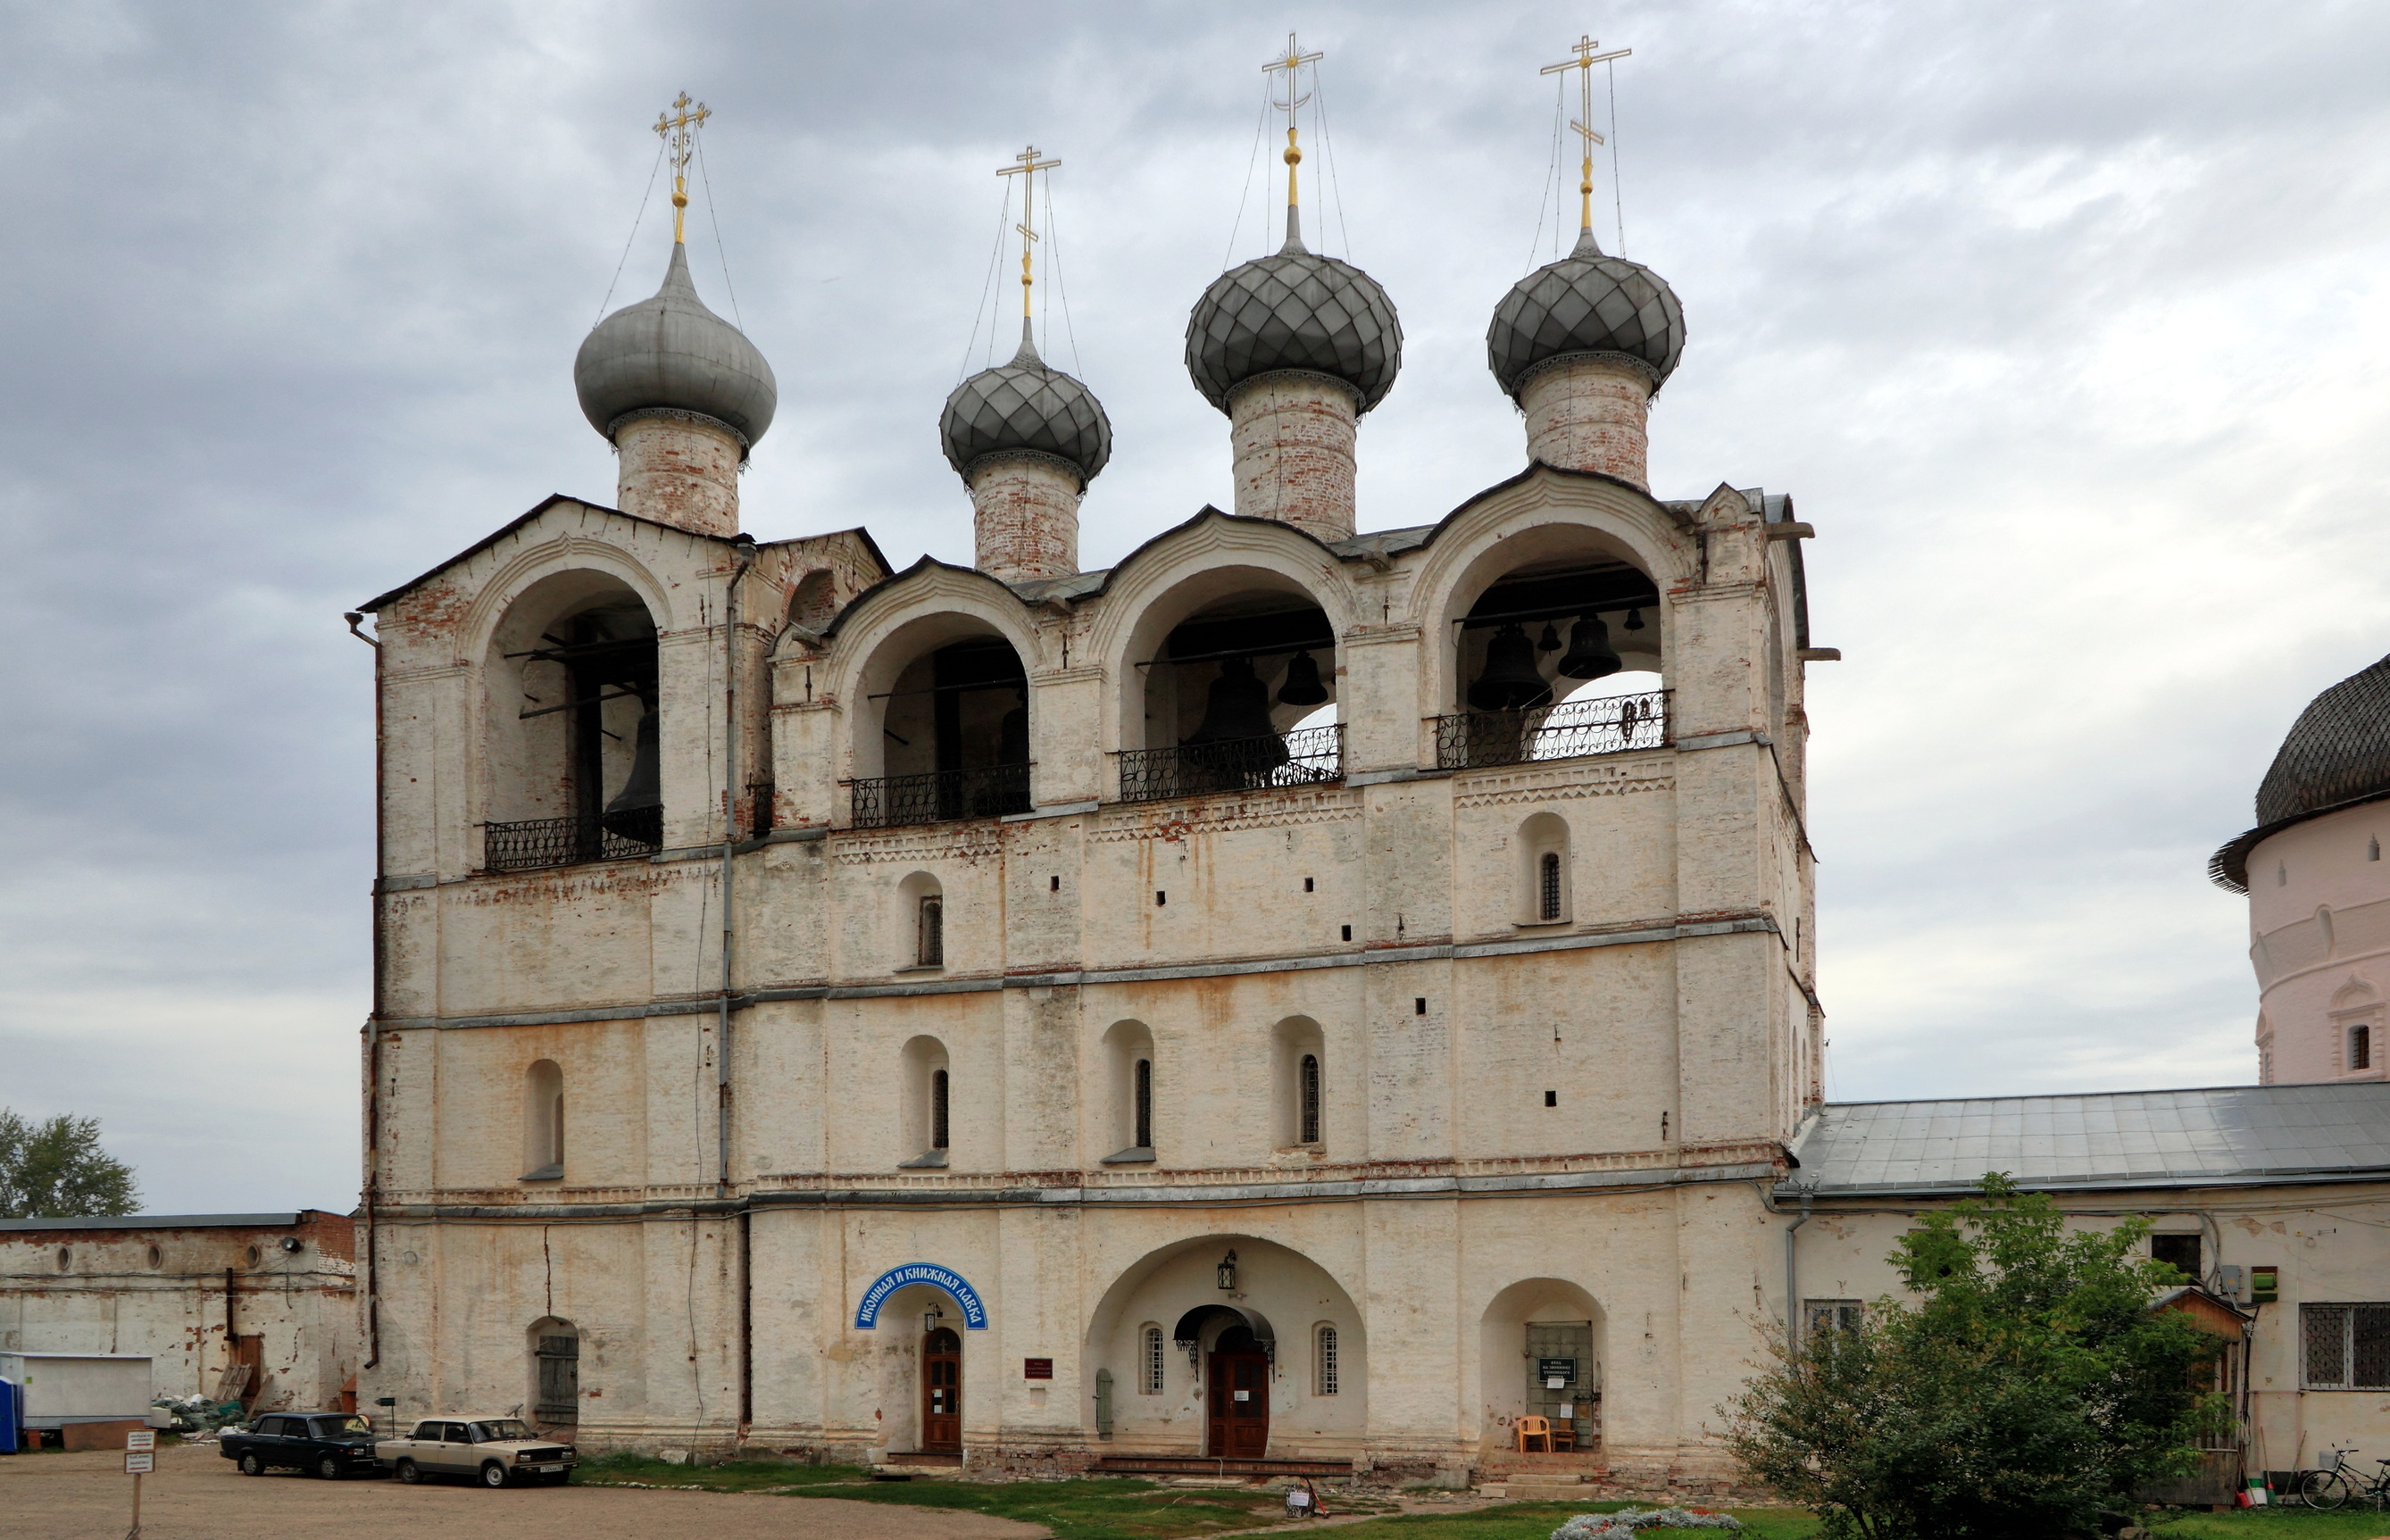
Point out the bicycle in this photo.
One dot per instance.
(2335, 1482)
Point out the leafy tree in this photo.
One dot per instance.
(2027, 1389)
(55, 1169)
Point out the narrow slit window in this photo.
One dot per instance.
(555, 1131)
(1309, 1093)
(1324, 1374)
(1150, 1362)
(938, 1109)
(1144, 1104)
(1549, 886)
(2360, 1046)
(930, 950)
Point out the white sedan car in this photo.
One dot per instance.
(495, 1451)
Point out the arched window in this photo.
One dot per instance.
(1150, 1361)
(1323, 1361)
(930, 931)
(542, 1122)
(928, 1130)
(2360, 1046)
(1544, 870)
(1126, 1129)
(1145, 1104)
(1308, 1092)
(1298, 1071)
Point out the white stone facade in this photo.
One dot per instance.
(2319, 941)
(1426, 1109)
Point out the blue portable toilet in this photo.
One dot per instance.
(11, 1399)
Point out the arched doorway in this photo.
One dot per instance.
(1540, 1350)
(941, 1393)
(1238, 1379)
(555, 1373)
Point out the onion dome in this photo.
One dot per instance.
(1585, 302)
(669, 352)
(1024, 405)
(2337, 753)
(1294, 311)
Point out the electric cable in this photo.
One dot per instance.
(645, 198)
(994, 256)
(715, 218)
(1261, 121)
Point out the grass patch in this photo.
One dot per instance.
(744, 1475)
(1106, 1508)
(2287, 1523)
(1537, 1521)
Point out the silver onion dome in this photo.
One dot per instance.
(1585, 302)
(1025, 406)
(671, 353)
(1294, 311)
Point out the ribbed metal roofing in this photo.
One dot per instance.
(1585, 302)
(2339, 750)
(1024, 405)
(668, 350)
(2123, 1138)
(1294, 311)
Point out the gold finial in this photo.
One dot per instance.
(1586, 59)
(1292, 64)
(679, 128)
(1026, 166)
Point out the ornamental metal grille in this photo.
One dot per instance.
(930, 945)
(1309, 1129)
(1610, 725)
(1307, 757)
(536, 843)
(942, 796)
(1549, 907)
(2348, 1346)
(1325, 1373)
(938, 1127)
(1144, 1104)
(1150, 1379)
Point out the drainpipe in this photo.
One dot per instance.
(1792, 1276)
(745, 547)
(373, 1023)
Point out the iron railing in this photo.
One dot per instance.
(536, 843)
(942, 796)
(1610, 725)
(1302, 758)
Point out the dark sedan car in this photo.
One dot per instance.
(330, 1444)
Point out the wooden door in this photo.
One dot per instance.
(941, 1393)
(556, 1398)
(1239, 1386)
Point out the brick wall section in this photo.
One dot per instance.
(678, 473)
(1588, 413)
(1025, 513)
(1293, 436)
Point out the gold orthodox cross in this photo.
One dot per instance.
(1295, 96)
(1585, 61)
(677, 127)
(1026, 167)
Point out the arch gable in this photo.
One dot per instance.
(923, 592)
(533, 565)
(1648, 529)
(1209, 541)
(945, 1280)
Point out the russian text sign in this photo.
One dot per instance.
(867, 1311)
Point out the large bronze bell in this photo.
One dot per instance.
(638, 811)
(1303, 687)
(1236, 738)
(1512, 681)
(1589, 656)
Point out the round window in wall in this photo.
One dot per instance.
(253, 1256)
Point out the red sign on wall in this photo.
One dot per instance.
(1037, 1369)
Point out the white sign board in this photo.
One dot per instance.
(144, 1438)
(139, 1462)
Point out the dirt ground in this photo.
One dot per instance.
(196, 1495)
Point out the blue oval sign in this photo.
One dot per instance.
(866, 1312)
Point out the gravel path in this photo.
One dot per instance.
(196, 1495)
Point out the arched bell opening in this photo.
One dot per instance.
(944, 729)
(1234, 690)
(1558, 653)
(573, 747)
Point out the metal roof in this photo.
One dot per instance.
(2234, 1133)
(173, 1221)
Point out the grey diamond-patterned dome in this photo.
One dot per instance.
(2338, 751)
(1585, 302)
(1294, 311)
(670, 351)
(1025, 406)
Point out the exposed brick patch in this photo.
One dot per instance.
(678, 473)
(1025, 513)
(1293, 435)
(1589, 412)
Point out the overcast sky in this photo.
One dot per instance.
(2064, 324)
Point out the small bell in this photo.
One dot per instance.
(637, 811)
(1551, 640)
(1635, 620)
(1511, 682)
(1590, 656)
(1303, 687)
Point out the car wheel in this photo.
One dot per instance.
(328, 1468)
(494, 1475)
(409, 1473)
(251, 1466)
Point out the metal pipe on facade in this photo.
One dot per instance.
(1792, 1278)
(373, 1024)
(745, 547)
